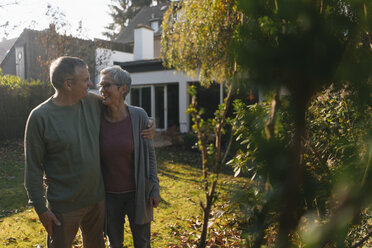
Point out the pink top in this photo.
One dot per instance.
(117, 155)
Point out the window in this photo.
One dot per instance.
(142, 97)
(159, 106)
(155, 25)
(160, 102)
(173, 105)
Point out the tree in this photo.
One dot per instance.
(6, 3)
(334, 151)
(123, 11)
(304, 46)
(195, 39)
(55, 43)
(5, 25)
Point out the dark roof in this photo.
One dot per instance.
(113, 45)
(142, 65)
(144, 17)
(5, 46)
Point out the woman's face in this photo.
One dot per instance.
(111, 93)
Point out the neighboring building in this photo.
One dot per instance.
(29, 53)
(26, 57)
(5, 46)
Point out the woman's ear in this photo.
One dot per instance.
(124, 89)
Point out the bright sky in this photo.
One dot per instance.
(32, 14)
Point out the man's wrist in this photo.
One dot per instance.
(40, 209)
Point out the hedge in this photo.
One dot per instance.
(17, 98)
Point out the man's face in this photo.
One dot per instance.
(81, 83)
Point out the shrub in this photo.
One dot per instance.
(190, 140)
(17, 98)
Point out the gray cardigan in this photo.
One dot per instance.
(146, 178)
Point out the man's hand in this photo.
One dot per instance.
(150, 132)
(154, 201)
(48, 219)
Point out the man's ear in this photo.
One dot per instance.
(67, 85)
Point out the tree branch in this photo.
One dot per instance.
(359, 243)
(7, 4)
(228, 147)
(270, 123)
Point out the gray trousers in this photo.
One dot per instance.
(117, 206)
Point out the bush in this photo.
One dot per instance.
(190, 140)
(17, 98)
(335, 158)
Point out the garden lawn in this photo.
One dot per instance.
(177, 221)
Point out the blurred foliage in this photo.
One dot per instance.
(196, 38)
(335, 157)
(304, 44)
(308, 148)
(305, 47)
(17, 98)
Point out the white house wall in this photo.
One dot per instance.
(166, 77)
(106, 57)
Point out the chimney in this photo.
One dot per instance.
(143, 42)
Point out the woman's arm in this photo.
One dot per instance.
(153, 173)
(155, 192)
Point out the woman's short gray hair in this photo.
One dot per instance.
(120, 76)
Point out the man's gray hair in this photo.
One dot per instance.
(64, 68)
(120, 76)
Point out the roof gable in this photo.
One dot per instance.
(144, 17)
(5, 46)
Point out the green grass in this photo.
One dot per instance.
(12, 194)
(177, 220)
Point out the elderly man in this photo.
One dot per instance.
(62, 143)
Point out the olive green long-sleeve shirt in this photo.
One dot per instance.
(62, 142)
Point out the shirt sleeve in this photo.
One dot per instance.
(34, 148)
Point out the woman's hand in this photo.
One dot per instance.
(154, 201)
(150, 132)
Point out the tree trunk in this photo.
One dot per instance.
(217, 164)
(206, 212)
(294, 173)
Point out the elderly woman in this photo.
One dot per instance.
(128, 162)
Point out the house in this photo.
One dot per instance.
(160, 91)
(5, 46)
(27, 56)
